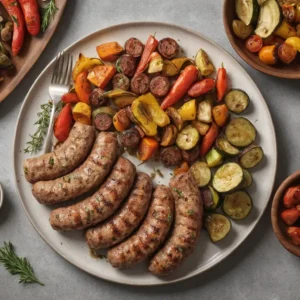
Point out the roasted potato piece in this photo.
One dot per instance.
(241, 30)
(169, 135)
(175, 117)
(203, 63)
(202, 128)
(204, 113)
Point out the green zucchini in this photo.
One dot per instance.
(210, 198)
(247, 182)
(201, 173)
(218, 226)
(236, 100)
(251, 156)
(240, 132)
(187, 138)
(269, 18)
(225, 147)
(228, 177)
(247, 10)
(214, 158)
(237, 205)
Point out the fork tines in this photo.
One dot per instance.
(62, 69)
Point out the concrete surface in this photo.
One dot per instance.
(260, 269)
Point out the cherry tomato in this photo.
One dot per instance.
(287, 53)
(254, 43)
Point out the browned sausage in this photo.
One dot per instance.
(140, 84)
(168, 48)
(121, 81)
(171, 156)
(126, 64)
(96, 98)
(86, 177)
(188, 223)
(150, 235)
(128, 218)
(64, 159)
(191, 155)
(101, 205)
(159, 86)
(130, 138)
(134, 47)
(103, 121)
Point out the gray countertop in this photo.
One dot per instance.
(260, 269)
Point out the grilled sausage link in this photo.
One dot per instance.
(64, 159)
(86, 177)
(188, 223)
(150, 235)
(101, 205)
(128, 218)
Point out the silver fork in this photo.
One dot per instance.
(60, 83)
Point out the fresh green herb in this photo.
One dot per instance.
(179, 249)
(170, 218)
(15, 19)
(57, 216)
(179, 192)
(47, 14)
(158, 171)
(51, 161)
(59, 107)
(153, 175)
(26, 170)
(60, 185)
(190, 212)
(193, 235)
(17, 265)
(98, 199)
(43, 121)
(15, 3)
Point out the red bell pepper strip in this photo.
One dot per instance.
(222, 83)
(63, 123)
(181, 85)
(201, 87)
(14, 10)
(209, 139)
(290, 216)
(294, 234)
(70, 98)
(150, 47)
(292, 197)
(31, 13)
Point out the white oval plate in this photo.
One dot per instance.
(72, 245)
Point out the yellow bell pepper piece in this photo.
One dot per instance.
(285, 30)
(82, 113)
(188, 110)
(294, 41)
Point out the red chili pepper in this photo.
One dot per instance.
(150, 47)
(209, 139)
(181, 85)
(14, 10)
(70, 98)
(31, 13)
(222, 83)
(290, 216)
(63, 123)
(201, 87)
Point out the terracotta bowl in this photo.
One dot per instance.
(279, 226)
(291, 71)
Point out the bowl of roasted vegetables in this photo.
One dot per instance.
(266, 34)
(286, 213)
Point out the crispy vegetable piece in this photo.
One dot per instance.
(5, 61)
(289, 12)
(241, 30)
(218, 226)
(84, 64)
(294, 41)
(201, 87)
(285, 30)
(120, 97)
(203, 63)
(103, 110)
(292, 197)
(204, 113)
(101, 75)
(169, 135)
(82, 113)
(70, 98)
(268, 55)
(221, 83)
(83, 87)
(187, 138)
(147, 148)
(63, 123)
(109, 51)
(214, 158)
(182, 168)
(188, 110)
(220, 114)
(201, 127)
(169, 69)
(175, 117)
(156, 63)
(180, 62)
(290, 216)
(121, 120)
(209, 139)
(294, 234)
(201, 173)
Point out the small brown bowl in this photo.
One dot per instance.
(291, 71)
(279, 226)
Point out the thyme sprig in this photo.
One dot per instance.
(47, 14)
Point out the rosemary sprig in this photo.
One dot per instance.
(47, 14)
(17, 265)
(37, 138)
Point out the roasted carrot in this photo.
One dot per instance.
(101, 75)
(220, 114)
(183, 168)
(70, 98)
(83, 87)
(181, 85)
(147, 148)
(31, 14)
(268, 54)
(201, 87)
(15, 12)
(290, 216)
(294, 234)
(63, 123)
(121, 120)
(109, 51)
(209, 139)
(292, 197)
(222, 83)
(150, 47)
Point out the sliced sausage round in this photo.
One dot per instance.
(140, 84)
(103, 121)
(190, 155)
(130, 138)
(126, 64)
(159, 86)
(121, 81)
(168, 48)
(96, 98)
(171, 156)
(134, 47)
(130, 114)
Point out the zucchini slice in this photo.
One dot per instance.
(240, 132)
(247, 10)
(236, 100)
(251, 156)
(218, 226)
(228, 177)
(214, 158)
(210, 198)
(247, 182)
(201, 173)
(187, 138)
(237, 205)
(269, 18)
(225, 147)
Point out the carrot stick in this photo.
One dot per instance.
(31, 13)
(70, 98)
(201, 87)
(83, 87)
(147, 148)
(63, 123)
(222, 83)
(209, 139)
